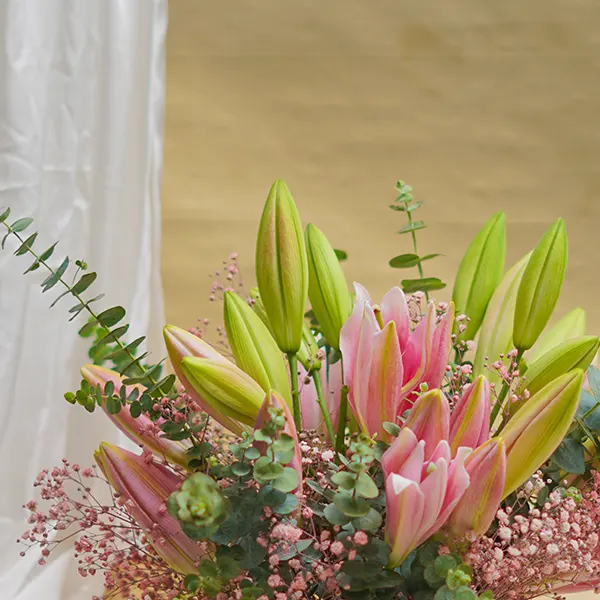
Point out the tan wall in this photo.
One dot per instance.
(481, 106)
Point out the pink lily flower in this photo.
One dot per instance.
(312, 417)
(470, 420)
(145, 486)
(274, 400)
(141, 430)
(420, 494)
(385, 363)
(477, 508)
(429, 419)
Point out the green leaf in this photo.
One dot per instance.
(570, 456)
(284, 443)
(335, 516)
(271, 497)
(26, 245)
(130, 348)
(351, 507)
(342, 255)
(111, 316)
(109, 388)
(112, 336)
(135, 409)
(5, 215)
(290, 505)
(252, 453)
(344, 480)
(88, 328)
(443, 564)
(444, 593)
(84, 283)
(405, 261)
(21, 225)
(229, 567)
(113, 405)
(594, 380)
(260, 436)
(54, 278)
(208, 569)
(35, 265)
(164, 385)
(427, 284)
(391, 428)
(365, 486)
(240, 469)
(464, 593)
(192, 583)
(369, 522)
(266, 470)
(287, 482)
(414, 226)
(46, 254)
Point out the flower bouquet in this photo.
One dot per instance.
(363, 449)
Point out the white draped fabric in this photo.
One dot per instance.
(81, 111)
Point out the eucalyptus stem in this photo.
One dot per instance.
(316, 375)
(505, 389)
(414, 239)
(293, 362)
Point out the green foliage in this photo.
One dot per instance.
(405, 203)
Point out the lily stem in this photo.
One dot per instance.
(293, 362)
(341, 431)
(316, 375)
(505, 389)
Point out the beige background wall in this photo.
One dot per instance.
(481, 106)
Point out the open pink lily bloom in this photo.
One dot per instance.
(420, 494)
(385, 363)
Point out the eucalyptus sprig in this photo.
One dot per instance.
(406, 203)
(106, 326)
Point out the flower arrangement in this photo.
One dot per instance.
(362, 449)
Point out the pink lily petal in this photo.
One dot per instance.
(470, 420)
(394, 308)
(440, 348)
(398, 453)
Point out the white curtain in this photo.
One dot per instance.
(81, 110)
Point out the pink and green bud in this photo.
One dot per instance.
(470, 420)
(274, 401)
(145, 486)
(254, 348)
(576, 353)
(183, 344)
(540, 286)
(537, 429)
(495, 335)
(141, 430)
(327, 288)
(421, 494)
(282, 268)
(572, 325)
(429, 419)
(479, 273)
(477, 508)
(225, 388)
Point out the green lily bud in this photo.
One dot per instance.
(307, 355)
(537, 429)
(570, 326)
(479, 273)
(327, 288)
(254, 348)
(199, 506)
(577, 353)
(282, 268)
(540, 286)
(224, 387)
(495, 336)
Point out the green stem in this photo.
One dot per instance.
(322, 404)
(341, 431)
(505, 389)
(414, 239)
(293, 362)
